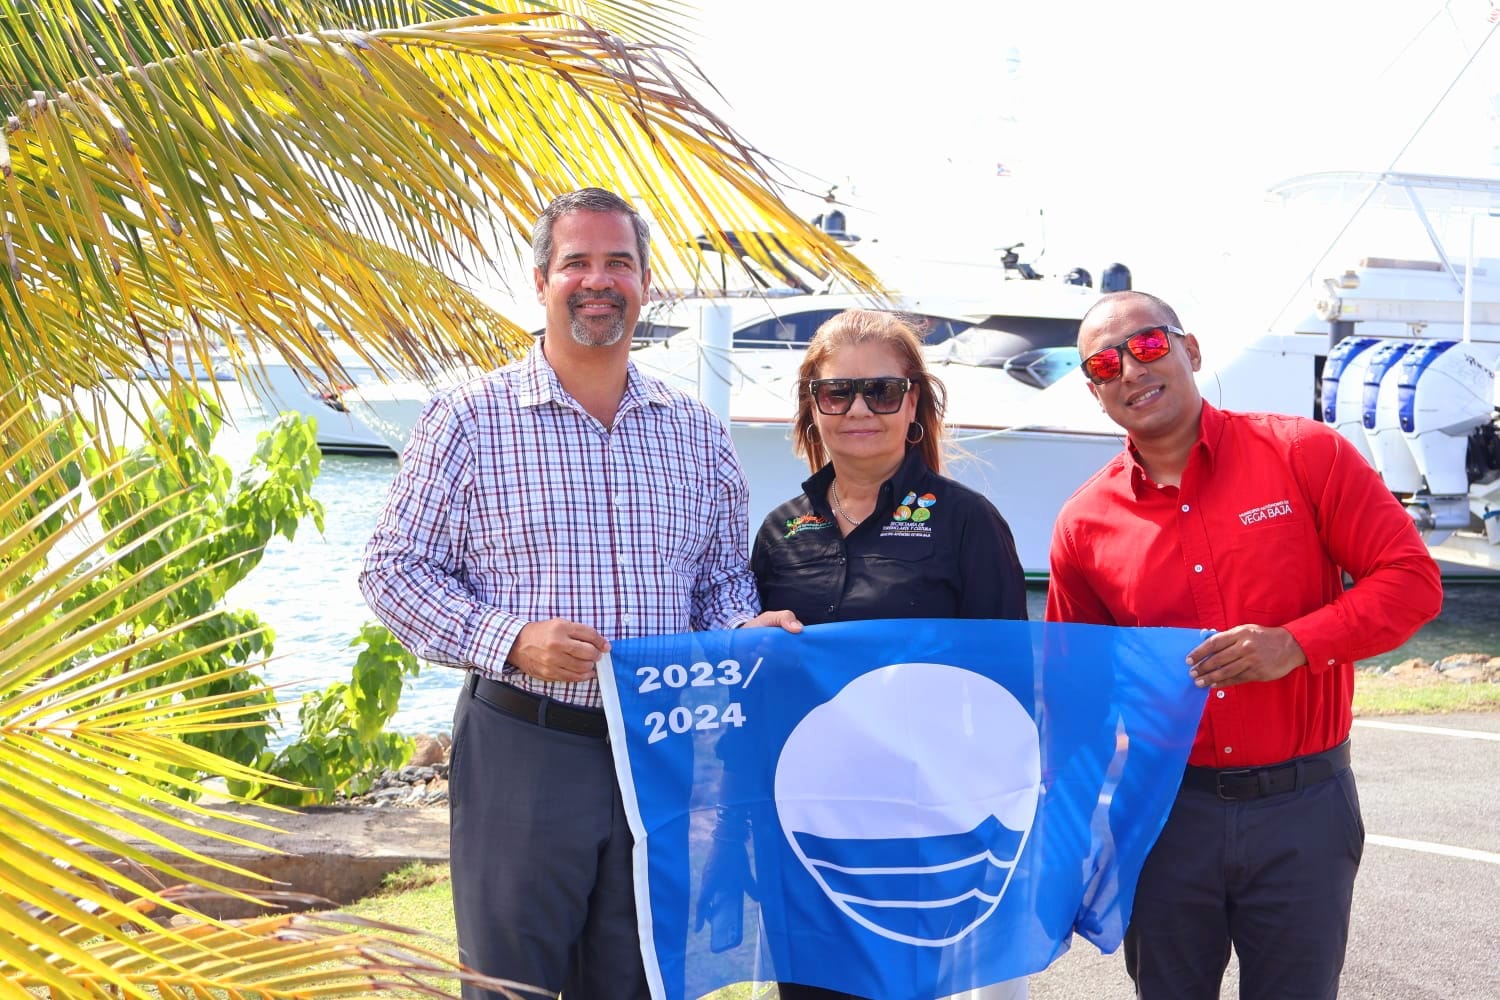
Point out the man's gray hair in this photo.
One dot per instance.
(589, 199)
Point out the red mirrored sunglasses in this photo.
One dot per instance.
(1146, 346)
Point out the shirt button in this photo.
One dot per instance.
(1198, 568)
(1219, 693)
(830, 609)
(1229, 749)
(627, 618)
(619, 500)
(1185, 508)
(1330, 662)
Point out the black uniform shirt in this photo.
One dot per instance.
(932, 548)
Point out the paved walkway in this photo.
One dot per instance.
(1426, 923)
(337, 854)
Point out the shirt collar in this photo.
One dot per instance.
(1211, 422)
(540, 385)
(909, 474)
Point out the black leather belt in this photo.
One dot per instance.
(1236, 784)
(548, 713)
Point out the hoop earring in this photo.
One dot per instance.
(921, 433)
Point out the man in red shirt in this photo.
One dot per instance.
(1243, 523)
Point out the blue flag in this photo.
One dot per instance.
(896, 809)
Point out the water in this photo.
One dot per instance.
(307, 591)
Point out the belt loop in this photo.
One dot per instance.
(1263, 779)
(541, 711)
(472, 683)
(1301, 775)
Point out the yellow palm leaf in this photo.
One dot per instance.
(212, 174)
(91, 756)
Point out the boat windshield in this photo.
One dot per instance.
(794, 330)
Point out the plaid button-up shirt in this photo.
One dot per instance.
(514, 505)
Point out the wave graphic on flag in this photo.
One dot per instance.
(929, 870)
(903, 888)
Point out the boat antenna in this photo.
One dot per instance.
(1443, 7)
(1313, 271)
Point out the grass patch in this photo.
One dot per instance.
(414, 876)
(420, 898)
(1374, 695)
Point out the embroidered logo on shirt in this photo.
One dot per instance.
(915, 508)
(807, 522)
(908, 519)
(1280, 508)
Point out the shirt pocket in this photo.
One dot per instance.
(905, 581)
(682, 515)
(1271, 572)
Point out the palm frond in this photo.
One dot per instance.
(93, 761)
(219, 171)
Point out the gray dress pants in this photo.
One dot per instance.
(540, 857)
(1273, 878)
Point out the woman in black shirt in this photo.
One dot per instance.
(878, 532)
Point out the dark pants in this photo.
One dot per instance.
(540, 856)
(1273, 877)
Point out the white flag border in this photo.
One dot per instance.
(615, 716)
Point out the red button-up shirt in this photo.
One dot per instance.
(1272, 510)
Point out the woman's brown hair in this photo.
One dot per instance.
(856, 328)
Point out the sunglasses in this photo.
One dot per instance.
(1146, 346)
(835, 396)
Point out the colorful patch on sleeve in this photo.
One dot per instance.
(807, 522)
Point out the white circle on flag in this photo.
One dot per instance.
(909, 796)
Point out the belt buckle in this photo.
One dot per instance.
(1243, 772)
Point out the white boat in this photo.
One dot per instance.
(277, 387)
(1399, 354)
(389, 410)
(1426, 417)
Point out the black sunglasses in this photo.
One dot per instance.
(1146, 346)
(834, 396)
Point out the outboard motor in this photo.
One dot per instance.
(1343, 390)
(1381, 418)
(1446, 404)
(1079, 276)
(1115, 278)
(1333, 370)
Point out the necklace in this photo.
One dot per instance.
(833, 490)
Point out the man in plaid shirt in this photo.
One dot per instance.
(540, 509)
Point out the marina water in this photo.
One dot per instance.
(308, 592)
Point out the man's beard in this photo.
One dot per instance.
(580, 327)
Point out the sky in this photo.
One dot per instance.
(1144, 132)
